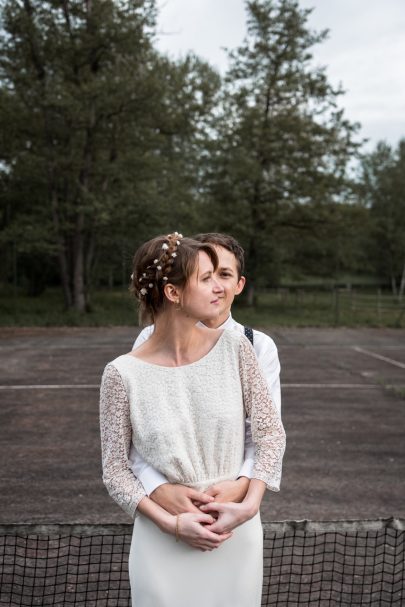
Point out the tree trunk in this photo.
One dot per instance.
(63, 264)
(60, 240)
(251, 294)
(251, 286)
(253, 255)
(79, 294)
(89, 264)
(402, 285)
(394, 285)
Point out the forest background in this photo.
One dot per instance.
(106, 142)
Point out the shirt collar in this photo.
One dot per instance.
(227, 324)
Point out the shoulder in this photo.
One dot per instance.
(233, 337)
(116, 369)
(120, 377)
(238, 343)
(263, 343)
(266, 352)
(231, 343)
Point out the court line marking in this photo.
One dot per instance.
(47, 347)
(50, 387)
(390, 361)
(284, 386)
(333, 386)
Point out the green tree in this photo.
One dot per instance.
(284, 146)
(107, 134)
(332, 240)
(169, 189)
(383, 180)
(74, 72)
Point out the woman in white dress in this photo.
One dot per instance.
(182, 398)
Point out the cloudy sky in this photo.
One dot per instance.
(365, 51)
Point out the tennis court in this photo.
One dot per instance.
(343, 409)
(344, 412)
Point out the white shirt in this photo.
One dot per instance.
(267, 355)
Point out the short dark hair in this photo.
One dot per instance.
(228, 242)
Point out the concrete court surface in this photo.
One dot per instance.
(343, 409)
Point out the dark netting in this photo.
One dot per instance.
(334, 563)
(58, 565)
(305, 563)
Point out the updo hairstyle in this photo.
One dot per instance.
(166, 259)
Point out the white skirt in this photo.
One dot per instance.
(164, 573)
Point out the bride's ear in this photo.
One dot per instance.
(172, 293)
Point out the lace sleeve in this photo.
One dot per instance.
(267, 429)
(116, 434)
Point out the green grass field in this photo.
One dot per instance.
(282, 307)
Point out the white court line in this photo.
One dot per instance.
(51, 387)
(284, 386)
(391, 361)
(47, 347)
(333, 386)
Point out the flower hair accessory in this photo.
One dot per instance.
(162, 264)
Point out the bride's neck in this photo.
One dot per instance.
(175, 334)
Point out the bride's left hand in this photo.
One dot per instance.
(229, 515)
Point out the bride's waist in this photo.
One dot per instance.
(203, 484)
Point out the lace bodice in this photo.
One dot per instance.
(188, 421)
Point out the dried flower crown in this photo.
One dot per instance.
(161, 265)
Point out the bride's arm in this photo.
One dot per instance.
(123, 486)
(116, 436)
(269, 438)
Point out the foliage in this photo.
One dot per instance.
(283, 148)
(103, 128)
(104, 142)
(383, 188)
(277, 307)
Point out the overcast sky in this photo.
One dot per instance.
(365, 51)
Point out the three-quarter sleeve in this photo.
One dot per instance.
(267, 429)
(116, 435)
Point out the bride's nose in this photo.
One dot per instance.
(217, 287)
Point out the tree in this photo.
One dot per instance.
(106, 133)
(74, 72)
(168, 193)
(283, 143)
(383, 180)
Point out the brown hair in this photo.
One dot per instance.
(228, 242)
(163, 260)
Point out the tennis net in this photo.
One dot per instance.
(306, 563)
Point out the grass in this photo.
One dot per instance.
(283, 307)
(323, 308)
(113, 307)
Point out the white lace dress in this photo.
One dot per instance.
(188, 423)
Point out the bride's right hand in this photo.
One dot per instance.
(191, 530)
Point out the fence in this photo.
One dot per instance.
(306, 563)
(375, 305)
(332, 306)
